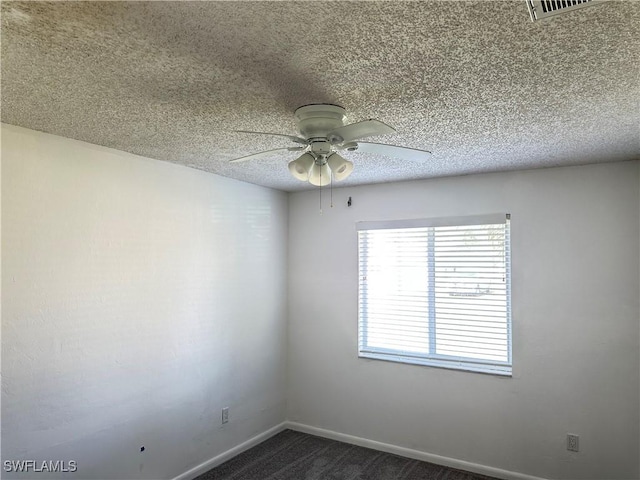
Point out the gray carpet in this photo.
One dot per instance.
(293, 455)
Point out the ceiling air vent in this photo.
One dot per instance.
(539, 9)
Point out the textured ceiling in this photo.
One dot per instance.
(477, 83)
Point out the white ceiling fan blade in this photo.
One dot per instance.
(355, 131)
(290, 137)
(410, 154)
(266, 152)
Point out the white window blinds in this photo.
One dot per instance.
(436, 292)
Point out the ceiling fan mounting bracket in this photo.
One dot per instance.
(320, 146)
(317, 120)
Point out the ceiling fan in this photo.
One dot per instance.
(322, 134)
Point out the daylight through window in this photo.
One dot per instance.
(436, 292)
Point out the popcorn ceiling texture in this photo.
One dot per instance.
(477, 83)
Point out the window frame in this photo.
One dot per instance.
(438, 359)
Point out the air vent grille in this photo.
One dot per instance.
(539, 9)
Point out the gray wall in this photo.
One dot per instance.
(575, 283)
(139, 298)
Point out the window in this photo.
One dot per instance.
(436, 292)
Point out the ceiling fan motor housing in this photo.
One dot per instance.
(317, 120)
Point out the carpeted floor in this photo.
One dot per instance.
(293, 455)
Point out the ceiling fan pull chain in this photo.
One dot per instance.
(331, 189)
(320, 190)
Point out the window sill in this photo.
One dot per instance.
(498, 370)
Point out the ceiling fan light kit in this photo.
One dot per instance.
(319, 170)
(340, 167)
(320, 175)
(323, 132)
(301, 167)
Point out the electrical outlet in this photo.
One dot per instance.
(225, 415)
(573, 442)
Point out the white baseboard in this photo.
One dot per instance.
(410, 453)
(362, 442)
(229, 454)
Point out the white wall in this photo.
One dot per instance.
(140, 297)
(575, 254)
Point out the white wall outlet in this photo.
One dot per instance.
(573, 442)
(225, 415)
